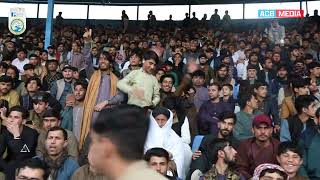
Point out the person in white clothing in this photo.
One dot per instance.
(161, 135)
(21, 60)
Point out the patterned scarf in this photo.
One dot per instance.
(55, 165)
(262, 167)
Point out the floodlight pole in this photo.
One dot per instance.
(49, 23)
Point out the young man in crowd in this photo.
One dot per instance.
(21, 60)
(158, 159)
(224, 157)
(202, 157)
(250, 151)
(118, 150)
(292, 128)
(28, 72)
(299, 87)
(72, 114)
(141, 85)
(266, 104)
(51, 75)
(101, 93)
(19, 140)
(62, 87)
(248, 104)
(166, 85)
(32, 169)
(204, 66)
(51, 119)
(198, 82)
(290, 158)
(60, 164)
(6, 92)
(211, 111)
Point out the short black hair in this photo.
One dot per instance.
(138, 53)
(82, 83)
(167, 76)
(299, 83)
(33, 55)
(34, 163)
(113, 123)
(216, 145)
(259, 84)
(303, 101)
(228, 85)
(57, 128)
(158, 152)
(229, 115)
(244, 98)
(4, 65)
(24, 112)
(51, 113)
(40, 96)
(33, 79)
(289, 146)
(215, 84)
(198, 73)
(6, 79)
(281, 173)
(28, 66)
(318, 113)
(151, 55)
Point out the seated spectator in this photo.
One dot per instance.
(32, 86)
(246, 85)
(161, 135)
(62, 87)
(40, 105)
(60, 164)
(269, 171)
(292, 128)
(250, 151)
(6, 91)
(268, 73)
(51, 119)
(166, 85)
(227, 94)
(203, 158)
(211, 111)
(248, 105)
(299, 87)
(51, 75)
(309, 142)
(290, 158)
(17, 84)
(28, 72)
(32, 169)
(158, 159)
(224, 155)
(134, 63)
(19, 140)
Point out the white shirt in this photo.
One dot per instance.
(19, 64)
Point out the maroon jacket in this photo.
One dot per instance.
(250, 155)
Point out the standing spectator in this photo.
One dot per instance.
(125, 21)
(141, 85)
(124, 149)
(250, 151)
(276, 32)
(215, 19)
(101, 93)
(59, 20)
(19, 140)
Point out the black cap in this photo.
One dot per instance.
(69, 67)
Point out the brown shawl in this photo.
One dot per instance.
(90, 101)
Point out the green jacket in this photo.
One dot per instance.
(212, 174)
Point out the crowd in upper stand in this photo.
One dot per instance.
(197, 100)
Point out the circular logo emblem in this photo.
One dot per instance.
(17, 26)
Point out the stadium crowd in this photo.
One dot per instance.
(196, 100)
